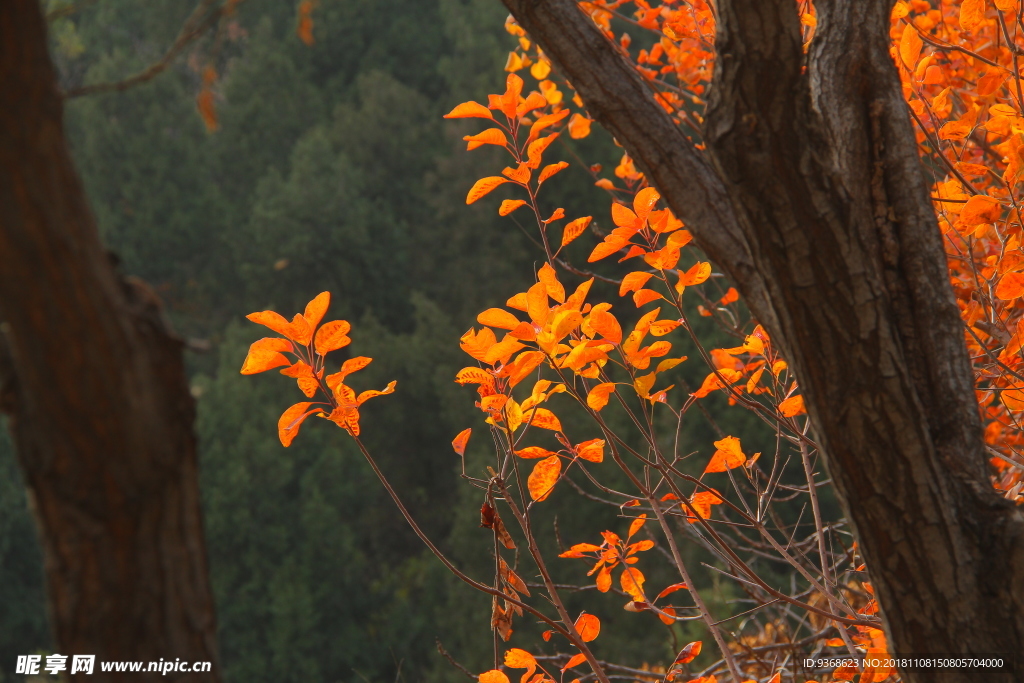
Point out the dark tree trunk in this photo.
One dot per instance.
(815, 204)
(94, 386)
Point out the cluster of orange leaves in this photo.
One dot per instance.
(959, 64)
(308, 343)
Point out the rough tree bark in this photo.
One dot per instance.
(94, 385)
(813, 200)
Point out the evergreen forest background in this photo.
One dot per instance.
(332, 169)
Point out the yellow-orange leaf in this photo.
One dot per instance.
(520, 174)
(574, 229)
(636, 524)
(592, 450)
(728, 456)
(598, 396)
(588, 626)
(700, 272)
(543, 418)
(545, 122)
(332, 336)
(666, 618)
(519, 659)
(265, 354)
(605, 324)
(575, 660)
(632, 582)
(663, 327)
(543, 477)
(483, 186)
(980, 209)
(610, 245)
(498, 317)
(910, 46)
(491, 136)
(972, 13)
(534, 452)
(473, 376)
(477, 344)
(291, 419)
(460, 441)
(468, 110)
(579, 126)
(792, 406)
(510, 205)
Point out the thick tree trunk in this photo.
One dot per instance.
(815, 204)
(94, 385)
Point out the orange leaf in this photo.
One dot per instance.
(535, 151)
(610, 245)
(493, 676)
(545, 122)
(605, 324)
(728, 456)
(688, 653)
(304, 30)
(644, 202)
(332, 336)
(592, 450)
(265, 354)
(491, 136)
(483, 186)
(520, 659)
(460, 441)
(579, 126)
(662, 327)
(510, 205)
(972, 14)
(792, 406)
(498, 317)
(634, 281)
(543, 418)
(574, 229)
(588, 626)
(468, 110)
(576, 660)
(910, 46)
(598, 396)
(636, 524)
(347, 368)
(543, 478)
(550, 170)
(632, 582)
(1011, 286)
(373, 393)
(700, 272)
(980, 209)
(667, 620)
(316, 308)
(672, 589)
(643, 297)
(534, 452)
(604, 579)
(290, 421)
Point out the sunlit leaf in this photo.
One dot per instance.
(460, 441)
(290, 421)
(469, 110)
(265, 354)
(483, 186)
(543, 478)
(588, 626)
(332, 336)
